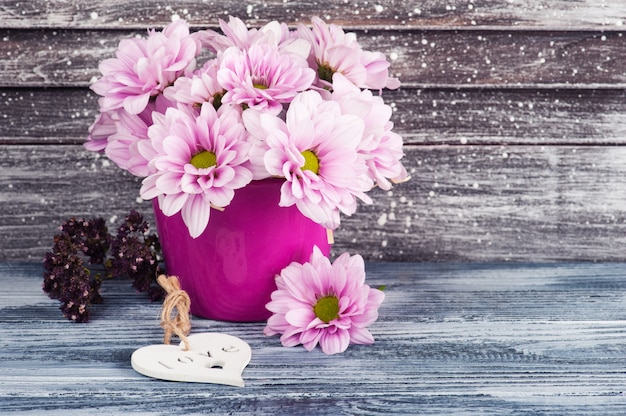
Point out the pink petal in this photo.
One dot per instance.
(310, 338)
(276, 324)
(291, 337)
(370, 314)
(360, 336)
(172, 203)
(136, 104)
(169, 182)
(297, 286)
(148, 189)
(196, 214)
(335, 343)
(300, 317)
(282, 302)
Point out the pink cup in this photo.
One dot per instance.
(229, 270)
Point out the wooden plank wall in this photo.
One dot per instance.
(513, 114)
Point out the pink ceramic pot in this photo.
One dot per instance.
(229, 270)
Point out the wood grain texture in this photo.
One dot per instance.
(431, 14)
(421, 116)
(485, 203)
(451, 339)
(513, 113)
(41, 57)
(463, 203)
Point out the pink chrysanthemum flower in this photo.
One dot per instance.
(99, 132)
(122, 147)
(315, 150)
(323, 303)
(237, 34)
(380, 147)
(197, 162)
(201, 87)
(143, 68)
(262, 78)
(336, 51)
(118, 133)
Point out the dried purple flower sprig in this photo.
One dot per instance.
(134, 253)
(80, 242)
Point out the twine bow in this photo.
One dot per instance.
(178, 324)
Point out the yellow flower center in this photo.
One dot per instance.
(311, 162)
(325, 72)
(204, 159)
(260, 86)
(327, 308)
(217, 100)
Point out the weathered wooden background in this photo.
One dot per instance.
(513, 114)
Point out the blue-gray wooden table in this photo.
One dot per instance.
(451, 339)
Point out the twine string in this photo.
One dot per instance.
(175, 313)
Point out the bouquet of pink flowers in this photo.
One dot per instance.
(269, 102)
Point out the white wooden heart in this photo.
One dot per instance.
(212, 358)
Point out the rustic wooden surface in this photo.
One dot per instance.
(432, 14)
(514, 118)
(452, 339)
(513, 114)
